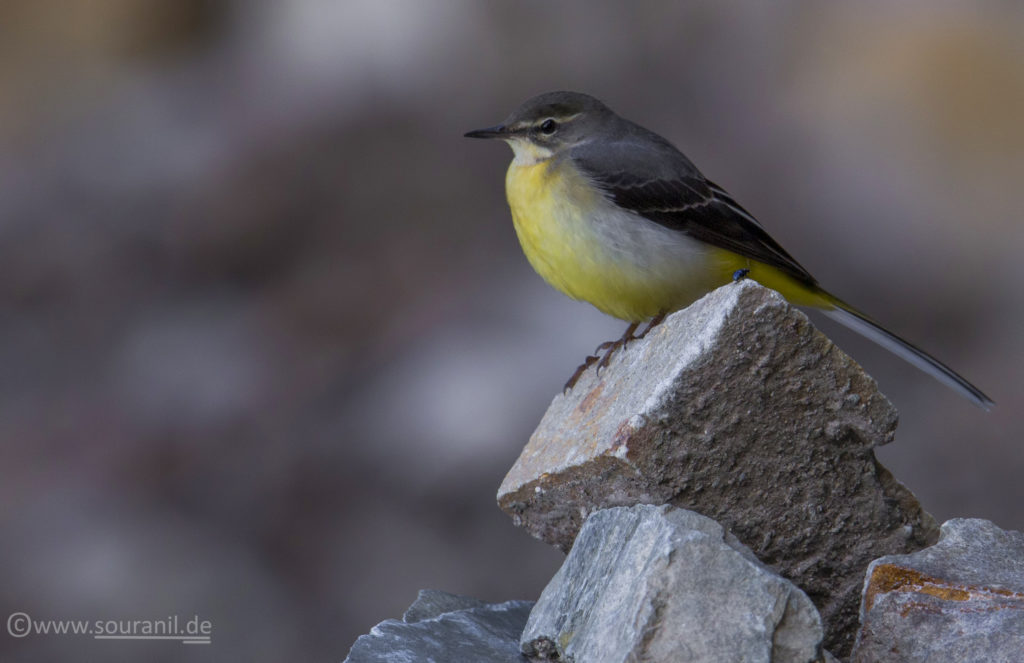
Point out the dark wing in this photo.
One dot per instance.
(677, 196)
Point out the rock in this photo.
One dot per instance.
(432, 603)
(440, 627)
(656, 584)
(736, 408)
(959, 600)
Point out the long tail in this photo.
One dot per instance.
(868, 328)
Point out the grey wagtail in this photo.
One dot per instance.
(611, 213)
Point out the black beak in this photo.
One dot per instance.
(498, 131)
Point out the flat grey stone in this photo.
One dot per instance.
(442, 628)
(739, 409)
(959, 600)
(431, 603)
(661, 584)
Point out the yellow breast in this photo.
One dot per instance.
(584, 246)
(546, 213)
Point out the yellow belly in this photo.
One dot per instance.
(624, 265)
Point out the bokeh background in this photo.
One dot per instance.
(267, 341)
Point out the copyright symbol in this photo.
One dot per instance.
(19, 624)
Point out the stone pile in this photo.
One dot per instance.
(739, 409)
(718, 495)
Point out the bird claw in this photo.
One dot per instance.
(571, 382)
(655, 321)
(608, 348)
(606, 359)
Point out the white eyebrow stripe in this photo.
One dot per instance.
(558, 118)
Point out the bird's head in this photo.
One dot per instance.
(550, 123)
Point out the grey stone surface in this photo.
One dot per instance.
(959, 600)
(737, 408)
(662, 584)
(441, 628)
(432, 603)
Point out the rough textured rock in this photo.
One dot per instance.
(440, 628)
(959, 600)
(432, 603)
(661, 584)
(736, 408)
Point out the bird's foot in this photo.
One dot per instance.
(655, 321)
(607, 356)
(611, 346)
(571, 382)
(608, 347)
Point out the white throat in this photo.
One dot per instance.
(528, 153)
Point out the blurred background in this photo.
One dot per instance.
(268, 344)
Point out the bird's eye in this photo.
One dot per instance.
(548, 126)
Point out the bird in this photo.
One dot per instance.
(613, 214)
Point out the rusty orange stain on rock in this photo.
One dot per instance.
(892, 578)
(590, 400)
(585, 419)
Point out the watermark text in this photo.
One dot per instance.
(188, 630)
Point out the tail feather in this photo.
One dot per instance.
(868, 328)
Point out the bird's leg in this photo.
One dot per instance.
(615, 345)
(608, 347)
(571, 382)
(740, 274)
(627, 337)
(655, 321)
